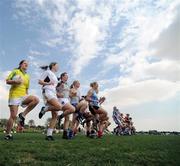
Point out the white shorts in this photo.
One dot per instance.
(48, 95)
(63, 101)
(18, 101)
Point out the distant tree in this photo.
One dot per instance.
(31, 123)
(3, 122)
(57, 126)
(39, 127)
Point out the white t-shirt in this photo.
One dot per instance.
(64, 89)
(49, 76)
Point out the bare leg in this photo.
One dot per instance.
(31, 102)
(66, 122)
(54, 105)
(52, 123)
(12, 118)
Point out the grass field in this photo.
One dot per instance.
(32, 149)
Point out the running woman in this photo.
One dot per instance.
(18, 96)
(63, 98)
(49, 81)
(79, 104)
(95, 106)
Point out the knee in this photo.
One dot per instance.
(58, 107)
(35, 100)
(73, 109)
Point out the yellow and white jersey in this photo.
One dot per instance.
(20, 90)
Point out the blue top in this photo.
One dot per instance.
(94, 98)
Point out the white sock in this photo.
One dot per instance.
(49, 132)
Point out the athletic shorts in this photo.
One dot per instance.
(18, 101)
(92, 108)
(48, 95)
(74, 104)
(63, 101)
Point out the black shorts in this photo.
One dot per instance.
(92, 108)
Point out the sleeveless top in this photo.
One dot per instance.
(94, 98)
(75, 99)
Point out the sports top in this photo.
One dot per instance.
(19, 90)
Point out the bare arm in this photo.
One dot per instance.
(58, 92)
(13, 82)
(72, 92)
(89, 94)
(101, 100)
(41, 82)
(60, 95)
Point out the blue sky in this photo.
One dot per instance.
(130, 47)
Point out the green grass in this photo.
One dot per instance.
(32, 149)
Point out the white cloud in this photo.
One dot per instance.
(37, 53)
(90, 28)
(4, 92)
(167, 44)
(143, 81)
(83, 23)
(160, 123)
(164, 70)
(141, 92)
(87, 36)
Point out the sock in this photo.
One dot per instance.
(9, 134)
(100, 133)
(49, 132)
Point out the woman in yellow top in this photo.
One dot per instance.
(18, 95)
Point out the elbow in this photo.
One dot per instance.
(7, 82)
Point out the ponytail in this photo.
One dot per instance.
(50, 66)
(72, 86)
(92, 84)
(44, 67)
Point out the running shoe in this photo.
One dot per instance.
(8, 137)
(21, 119)
(42, 112)
(49, 138)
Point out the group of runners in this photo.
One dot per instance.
(124, 124)
(58, 97)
